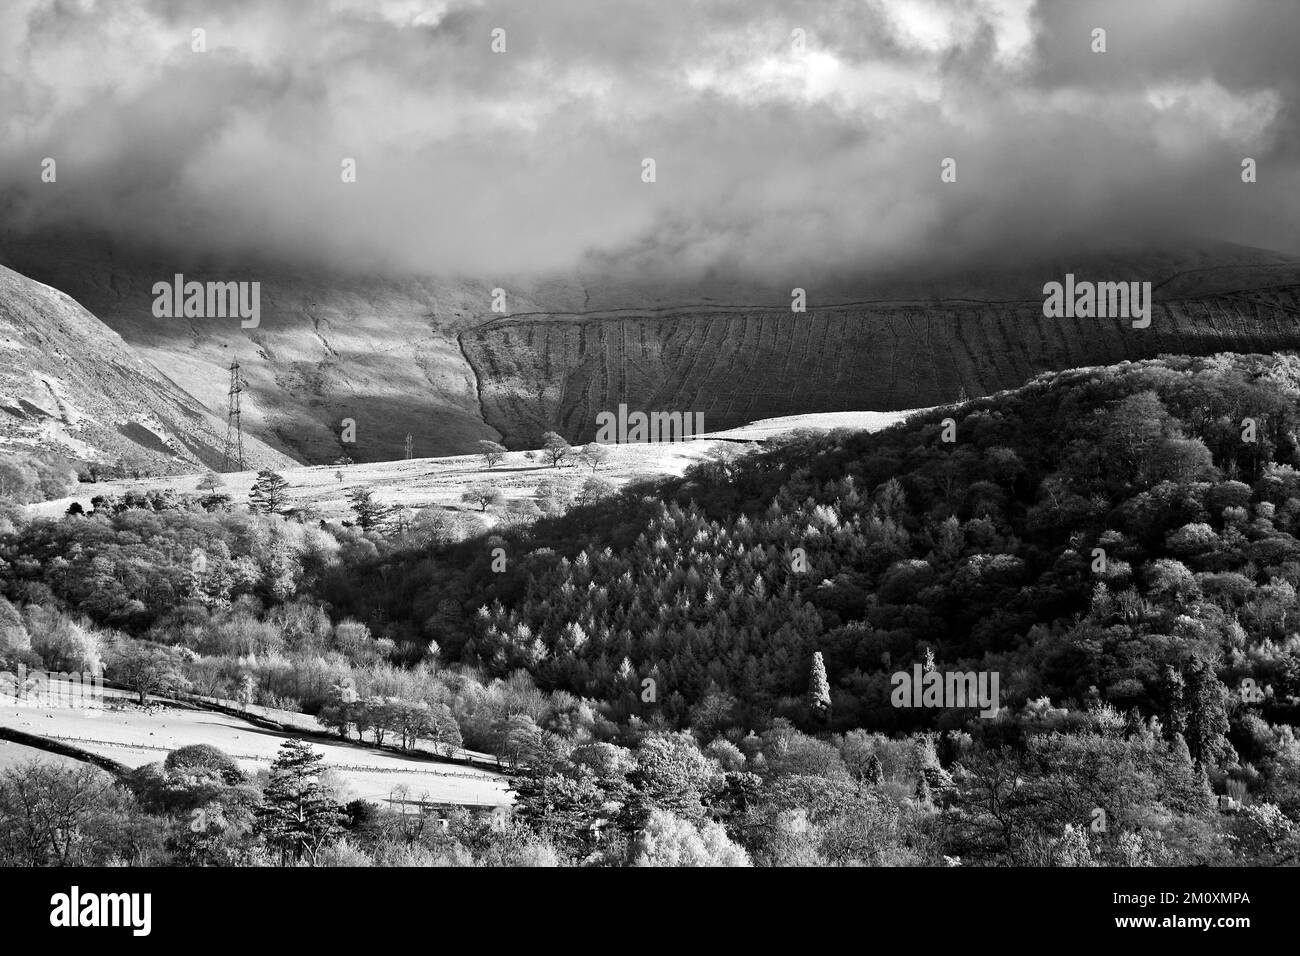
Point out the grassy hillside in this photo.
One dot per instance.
(381, 351)
(71, 386)
(439, 482)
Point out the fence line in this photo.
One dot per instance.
(267, 759)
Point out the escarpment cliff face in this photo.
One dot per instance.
(426, 356)
(736, 365)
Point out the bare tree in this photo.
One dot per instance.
(481, 494)
(593, 455)
(492, 452)
(555, 448)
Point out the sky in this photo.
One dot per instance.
(788, 135)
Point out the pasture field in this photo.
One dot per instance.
(131, 735)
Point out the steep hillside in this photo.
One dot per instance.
(428, 357)
(328, 347)
(69, 384)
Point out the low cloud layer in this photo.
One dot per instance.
(770, 160)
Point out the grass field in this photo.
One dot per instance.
(439, 482)
(128, 734)
(12, 755)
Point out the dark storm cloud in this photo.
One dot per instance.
(770, 162)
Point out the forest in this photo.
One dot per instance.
(699, 671)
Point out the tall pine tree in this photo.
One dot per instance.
(270, 492)
(298, 815)
(819, 688)
(1207, 716)
(370, 513)
(1174, 700)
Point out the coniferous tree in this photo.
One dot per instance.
(1207, 716)
(819, 688)
(558, 798)
(370, 513)
(1174, 692)
(270, 492)
(1184, 786)
(298, 815)
(875, 771)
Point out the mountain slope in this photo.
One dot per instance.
(69, 384)
(328, 346)
(427, 356)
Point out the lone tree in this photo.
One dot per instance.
(149, 669)
(555, 448)
(210, 482)
(370, 513)
(819, 688)
(270, 492)
(593, 455)
(492, 452)
(482, 495)
(298, 815)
